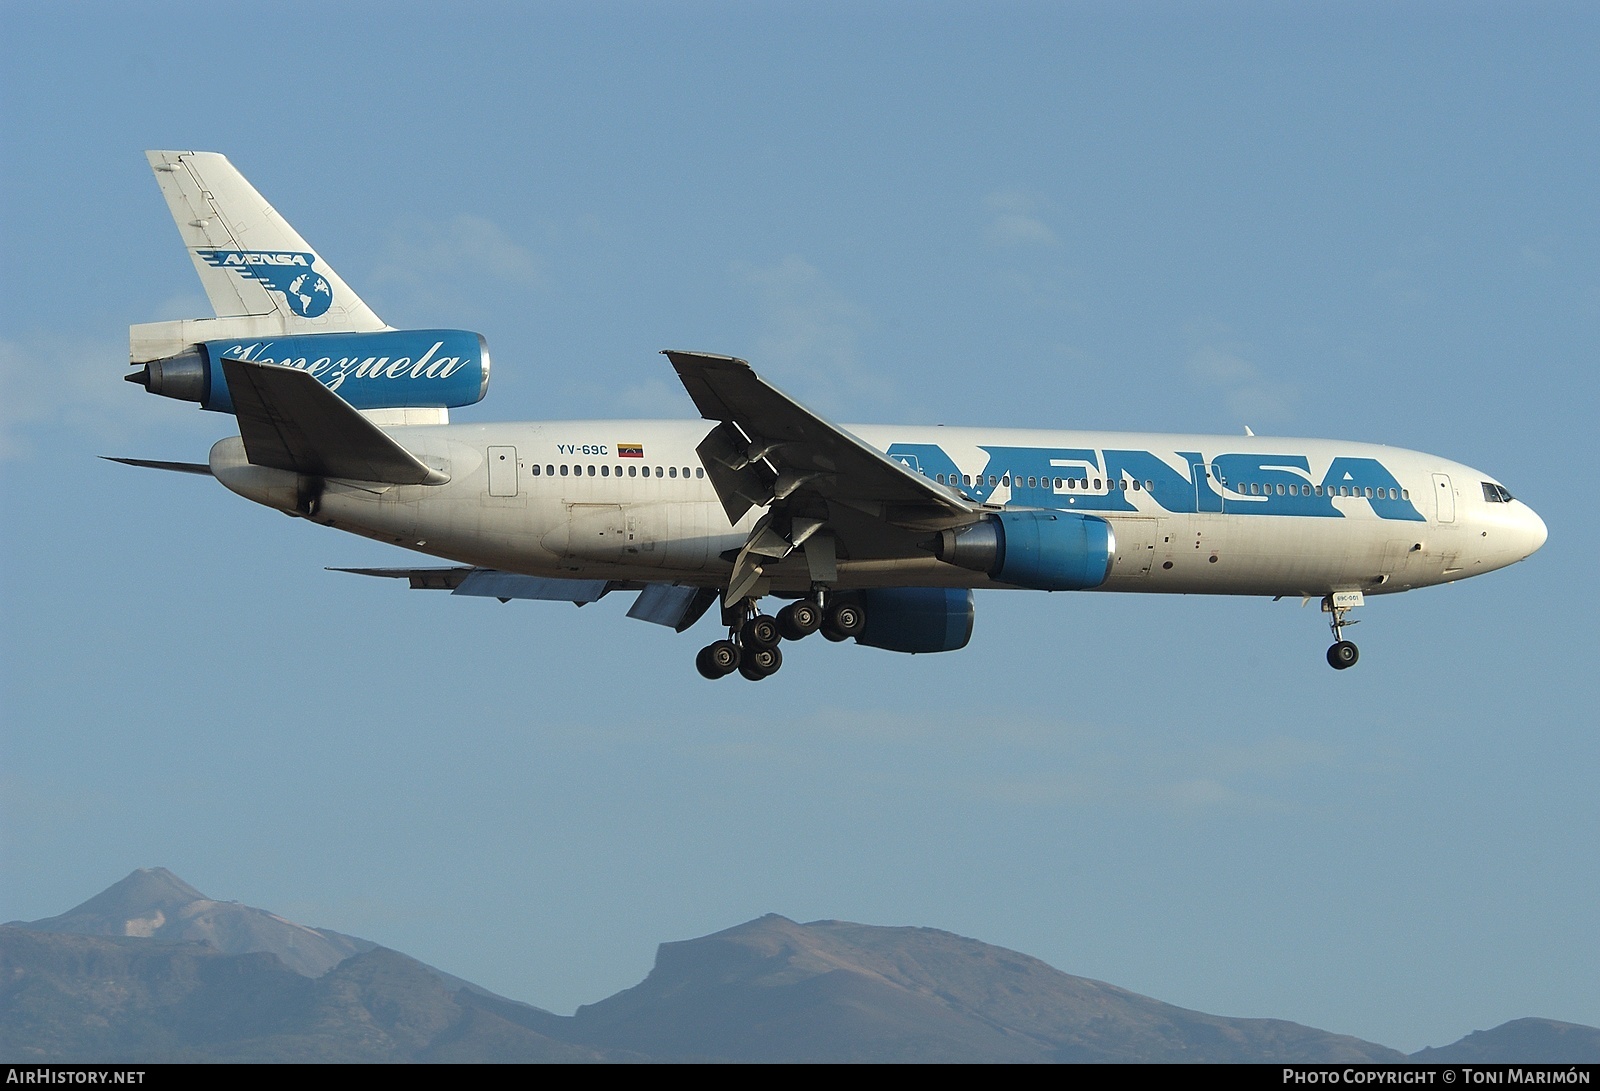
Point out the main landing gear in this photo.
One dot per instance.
(1343, 654)
(753, 638)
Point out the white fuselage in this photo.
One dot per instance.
(1245, 515)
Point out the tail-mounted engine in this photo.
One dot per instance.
(389, 369)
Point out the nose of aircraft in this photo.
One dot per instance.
(1534, 532)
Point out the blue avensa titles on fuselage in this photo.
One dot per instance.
(1235, 484)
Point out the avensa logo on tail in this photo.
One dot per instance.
(291, 275)
(277, 302)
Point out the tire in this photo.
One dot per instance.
(1343, 655)
(799, 619)
(759, 663)
(718, 659)
(847, 619)
(761, 631)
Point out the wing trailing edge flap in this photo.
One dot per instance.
(671, 605)
(659, 603)
(290, 421)
(491, 583)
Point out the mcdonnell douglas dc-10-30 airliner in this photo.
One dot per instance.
(878, 533)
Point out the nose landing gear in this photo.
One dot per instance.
(1343, 654)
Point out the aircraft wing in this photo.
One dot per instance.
(803, 453)
(813, 477)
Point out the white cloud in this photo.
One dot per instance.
(1029, 762)
(1221, 368)
(466, 246)
(809, 335)
(1014, 221)
(1108, 769)
(62, 383)
(650, 399)
(435, 272)
(1404, 282)
(182, 305)
(1249, 395)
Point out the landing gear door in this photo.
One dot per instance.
(1137, 540)
(1445, 497)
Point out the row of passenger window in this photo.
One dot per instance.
(1254, 488)
(605, 469)
(1034, 482)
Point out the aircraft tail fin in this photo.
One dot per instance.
(252, 263)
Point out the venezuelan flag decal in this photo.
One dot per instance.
(630, 450)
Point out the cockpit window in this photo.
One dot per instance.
(1495, 494)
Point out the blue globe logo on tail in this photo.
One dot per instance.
(308, 294)
(290, 274)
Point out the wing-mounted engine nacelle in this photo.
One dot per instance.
(916, 619)
(389, 369)
(1043, 550)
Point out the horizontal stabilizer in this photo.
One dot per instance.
(290, 421)
(157, 464)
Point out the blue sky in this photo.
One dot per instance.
(1375, 222)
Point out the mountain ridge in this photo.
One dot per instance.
(152, 969)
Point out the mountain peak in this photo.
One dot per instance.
(153, 903)
(1528, 1041)
(774, 990)
(138, 905)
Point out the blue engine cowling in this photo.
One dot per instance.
(1044, 550)
(391, 369)
(916, 619)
